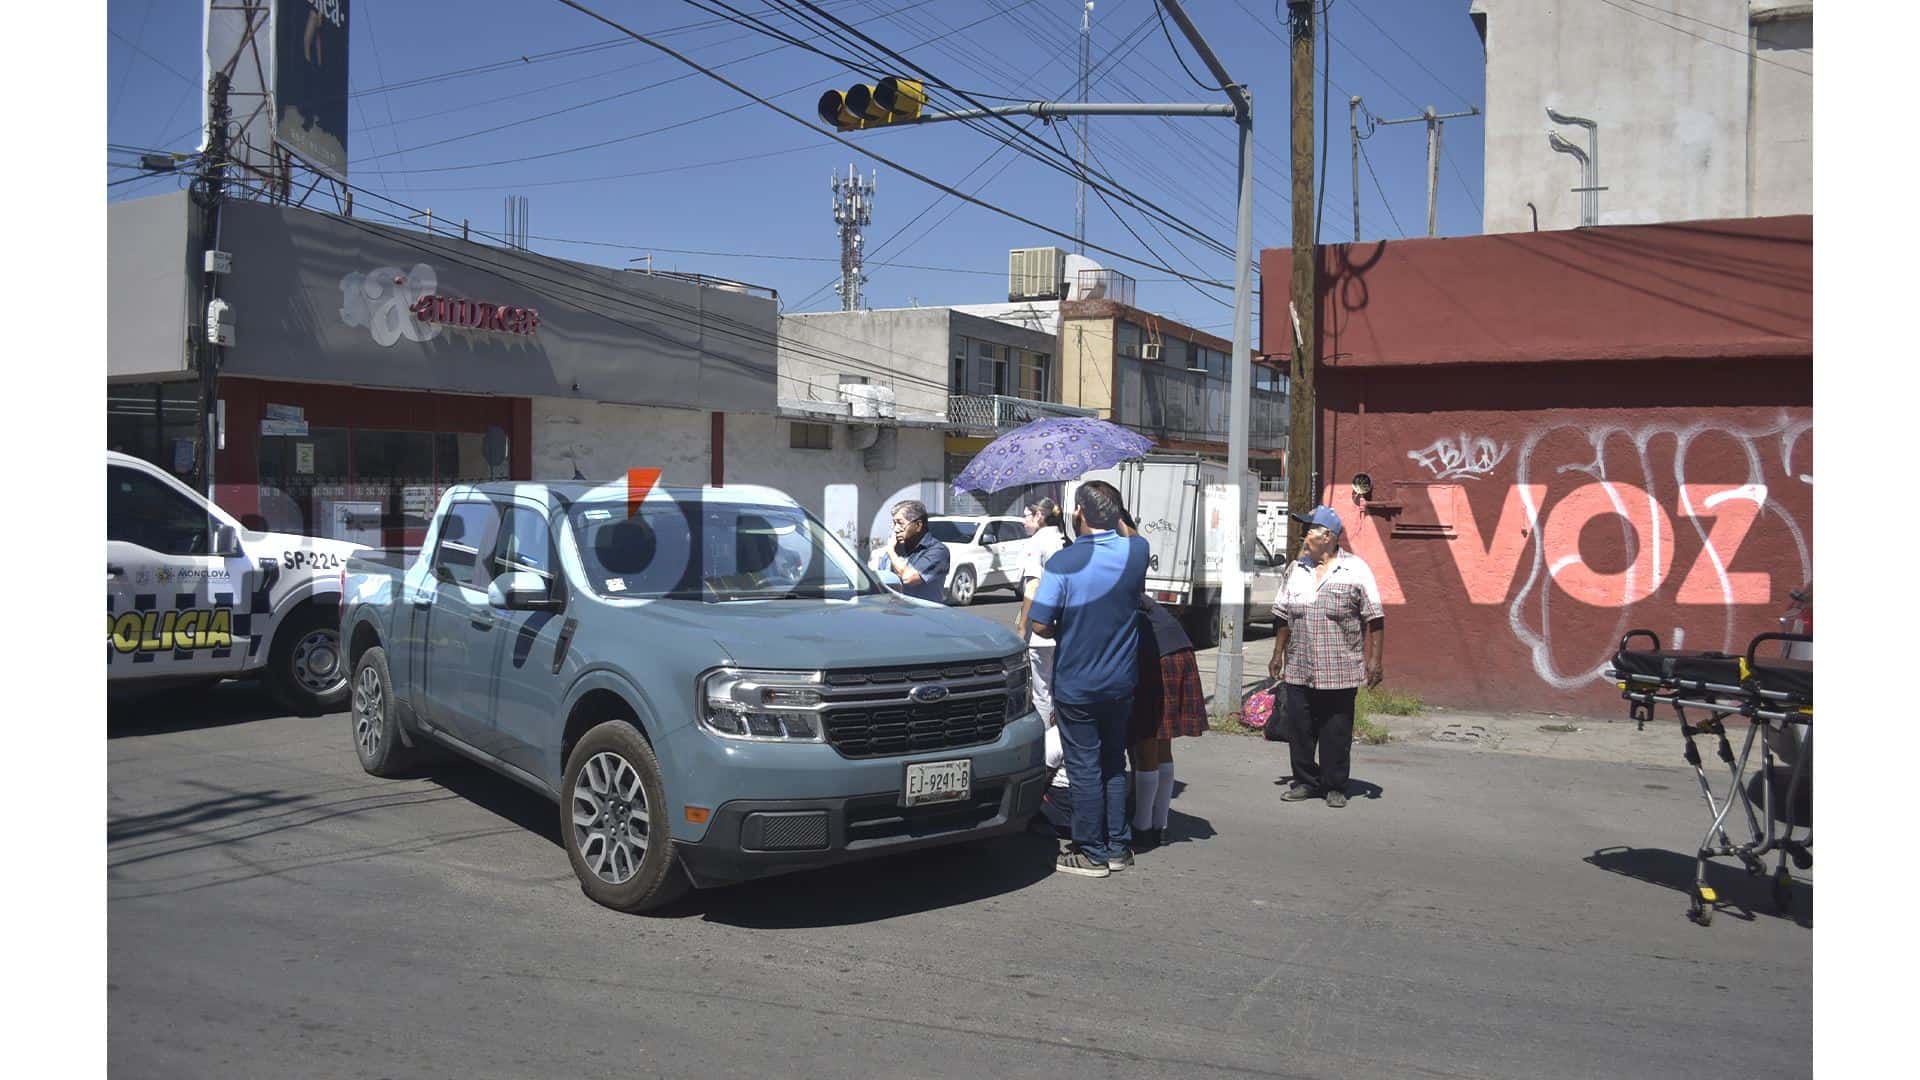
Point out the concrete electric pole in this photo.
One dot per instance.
(853, 212)
(1080, 185)
(1353, 142)
(1434, 121)
(208, 192)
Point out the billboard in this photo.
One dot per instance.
(310, 82)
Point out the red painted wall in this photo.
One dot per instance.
(1557, 461)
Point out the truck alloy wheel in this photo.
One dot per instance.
(613, 814)
(610, 817)
(376, 725)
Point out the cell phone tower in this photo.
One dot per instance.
(853, 212)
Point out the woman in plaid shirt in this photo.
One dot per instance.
(1329, 637)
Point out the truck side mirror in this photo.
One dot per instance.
(226, 540)
(521, 591)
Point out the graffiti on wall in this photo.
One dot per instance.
(1596, 517)
(1468, 457)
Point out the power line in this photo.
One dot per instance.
(890, 163)
(120, 92)
(1368, 162)
(1176, 52)
(1700, 37)
(1385, 33)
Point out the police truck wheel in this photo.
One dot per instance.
(307, 666)
(376, 725)
(961, 588)
(613, 814)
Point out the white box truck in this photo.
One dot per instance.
(1181, 502)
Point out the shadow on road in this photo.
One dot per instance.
(881, 888)
(499, 796)
(166, 712)
(1742, 895)
(1356, 789)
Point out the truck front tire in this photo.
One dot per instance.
(307, 665)
(614, 817)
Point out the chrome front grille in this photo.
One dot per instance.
(878, 712)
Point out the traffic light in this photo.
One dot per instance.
(889, 101)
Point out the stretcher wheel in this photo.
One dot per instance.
(1700, 906)
(1782, 891)
(1802, 858)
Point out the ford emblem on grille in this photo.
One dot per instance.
(927, 695)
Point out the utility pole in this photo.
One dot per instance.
(1353, 138)
(1080, 185)
(1303, 476)
(1434, 121)
(853, 212)
(209, 191)
(898, 101)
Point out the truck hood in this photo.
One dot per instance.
(869, 631)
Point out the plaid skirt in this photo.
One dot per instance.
(1168, 703)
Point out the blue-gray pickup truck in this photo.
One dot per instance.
(710, 686)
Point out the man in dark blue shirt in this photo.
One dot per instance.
(1089, 601)
(915, 557)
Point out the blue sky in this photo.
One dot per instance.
(446, 144)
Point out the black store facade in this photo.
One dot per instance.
(374, 366)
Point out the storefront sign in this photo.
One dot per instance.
(303, 457)
(285, 412)
(283, 427)
(464, 314)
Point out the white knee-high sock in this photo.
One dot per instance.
(1163, 796)
(1145, 792)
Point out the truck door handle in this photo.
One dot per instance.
(481, 621)
(115, 571)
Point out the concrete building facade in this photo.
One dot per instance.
(1704, 109)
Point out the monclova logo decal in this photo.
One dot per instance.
(393, 304)
(157, 631)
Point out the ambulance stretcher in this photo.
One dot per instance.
(1775, 697)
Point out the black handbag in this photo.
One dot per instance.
(1277, 727)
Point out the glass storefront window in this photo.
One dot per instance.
(395, 468)
(301, 476)
(157, 422)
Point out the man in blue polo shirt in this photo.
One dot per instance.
(1089, 602)
(915, 557)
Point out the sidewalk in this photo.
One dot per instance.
(1541, 734)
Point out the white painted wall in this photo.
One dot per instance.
(1672, 108)
(836, 485)
(904, 348)
(603, 441)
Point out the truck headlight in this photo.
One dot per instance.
(1019, 691)
(762, 706)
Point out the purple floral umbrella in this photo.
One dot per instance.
(1050, 449)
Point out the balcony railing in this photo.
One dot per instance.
(991, 414)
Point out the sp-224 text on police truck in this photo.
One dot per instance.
(193, 598)
(706, 681)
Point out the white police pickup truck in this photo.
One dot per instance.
(192, 598)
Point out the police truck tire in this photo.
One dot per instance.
(307, 665)
(375, 719)
(615, 822)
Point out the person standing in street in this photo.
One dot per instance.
(915, 557)
(1168, 703)
(1329, 638)
(1088, 602)
(1048, 533)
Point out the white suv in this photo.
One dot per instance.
(986, 553)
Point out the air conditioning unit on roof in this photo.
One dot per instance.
(1150, 351)
(868, 402)
(1036, 274)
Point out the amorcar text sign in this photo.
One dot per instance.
(465, 314)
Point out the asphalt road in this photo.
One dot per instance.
(275, 911)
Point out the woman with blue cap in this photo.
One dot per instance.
(1329, 638)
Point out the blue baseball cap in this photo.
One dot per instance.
(1321, 516)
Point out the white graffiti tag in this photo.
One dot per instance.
(1464, 457)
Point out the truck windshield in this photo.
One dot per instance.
(695, 550)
